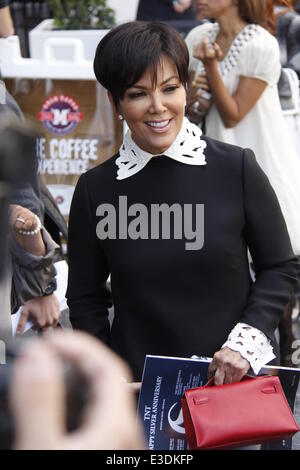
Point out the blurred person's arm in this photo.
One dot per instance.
(33, 256)
(33, 280)
(38, 396)
(6, 23)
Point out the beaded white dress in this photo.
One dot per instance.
(255, 53)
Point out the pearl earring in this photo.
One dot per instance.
(120, 117)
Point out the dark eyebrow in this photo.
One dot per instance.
(161, 84)
(169, 79)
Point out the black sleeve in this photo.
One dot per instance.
(4, 3)
(87, 293)
(269, 244)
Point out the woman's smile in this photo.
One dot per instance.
(159, 126)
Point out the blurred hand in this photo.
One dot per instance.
(182, 6)
(21, 218)
(206, 53)
(200, 84)
(19, 212)
(197, 104)
(38, 396)
(43, 311)
(228, 366)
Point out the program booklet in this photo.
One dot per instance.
(164, 381)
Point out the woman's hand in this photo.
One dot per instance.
(21, 218)
(198, 103)
(200, 85)
(44, 312)
(228, 366)
(206, 53)
(181, 6)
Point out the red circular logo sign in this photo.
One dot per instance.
(60, 115)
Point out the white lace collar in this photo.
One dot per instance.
(187, 148)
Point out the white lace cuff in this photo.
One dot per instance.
(252, 344)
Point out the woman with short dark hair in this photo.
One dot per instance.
(170, 218)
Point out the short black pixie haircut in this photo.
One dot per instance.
(127, 51)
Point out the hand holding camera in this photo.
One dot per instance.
(38, 396)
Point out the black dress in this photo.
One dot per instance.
(169, 300)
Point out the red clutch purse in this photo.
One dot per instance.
(252, 411)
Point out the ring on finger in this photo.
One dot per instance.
(20, 219)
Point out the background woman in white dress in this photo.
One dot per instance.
(237, 60)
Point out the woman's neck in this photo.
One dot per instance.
(230, 23)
